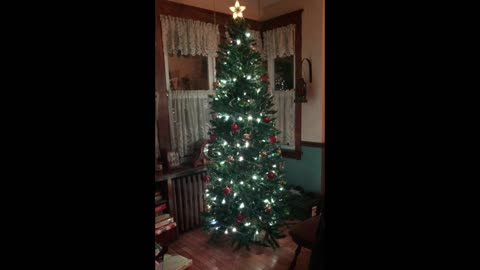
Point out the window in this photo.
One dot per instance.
(188, 72)
(284, 73)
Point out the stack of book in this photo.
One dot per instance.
(163, 221)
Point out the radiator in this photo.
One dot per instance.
(189, 200)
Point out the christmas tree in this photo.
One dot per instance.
(245, 193)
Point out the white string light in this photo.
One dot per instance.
(249, 118)
(242, 205)
(223, 201)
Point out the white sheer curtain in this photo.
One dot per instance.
(189, 119)
(190, 37)
(280, 42)
(189, 111)
(157, 147)
(285, 122)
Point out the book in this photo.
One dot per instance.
(162, 217)
(165, 228)
(163, 223)
(158, 202)
(160, 207)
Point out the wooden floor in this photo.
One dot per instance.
(194, 245)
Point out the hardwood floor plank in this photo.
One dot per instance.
(219, 256)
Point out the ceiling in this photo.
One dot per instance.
(254, 7)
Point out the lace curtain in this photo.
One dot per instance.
(280, 42)
(189, 119)
(190, 37)
(285, 122)
(157, 146)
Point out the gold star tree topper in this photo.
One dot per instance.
(237, 10)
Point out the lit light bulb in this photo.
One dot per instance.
(214, 198)
(256, 232)
(234, 229)
(253, 188)
(247, 34)
(258, 120)
(228, 52)
(254, 177)
(247, 224)
(226, 231)
(274, 165)
(226, 117)
(219, 179)
(223, 81)
(222, 162)
(238, 41)
(249, 77)
(225, 143)
(249, 101)
(247, 144)
(258, 90)
(216, 98)
(255, 158)
(238, 145)
(206, 195)
(281, 188)
(217, 228)
(213, 222)
(242, 205)
(241, 182)
(244, 93)
(219, 153)
(250, 118)
(238, 99)
(240, 159)
(223, 201)
(234, 194)
(240, 118)
(224, 63)
(265, 201)
(234, 79)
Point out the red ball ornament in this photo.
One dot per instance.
(235, 127)
(264, 78)
(266, 119)
(272, 139)
(206, 178)
(227, 190)
(213, 137)
(240, 218)
(271, 175)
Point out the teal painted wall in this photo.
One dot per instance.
(305, 172)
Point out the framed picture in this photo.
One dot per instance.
(173, 159)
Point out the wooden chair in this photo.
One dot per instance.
(304, 235)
